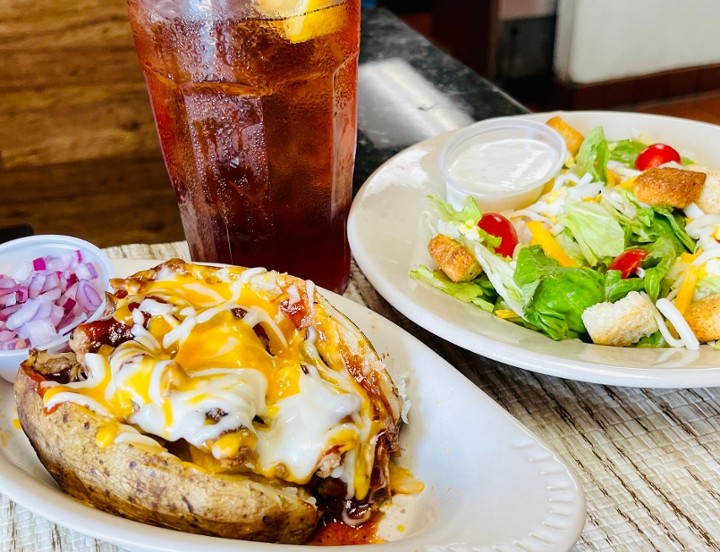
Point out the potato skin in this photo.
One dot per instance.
(146, 483)
(150, 485)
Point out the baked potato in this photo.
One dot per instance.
(216, 400)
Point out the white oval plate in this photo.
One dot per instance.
(489, 483)
(388, 237)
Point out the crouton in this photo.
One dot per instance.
(703, 317)
(709, 200)
(621, 323)
(453, 259)
(669, 186)
(573, 139)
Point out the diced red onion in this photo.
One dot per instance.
(87, 296)
(25, 314)
(22, 293)
(52, 281)
(85, 271)
(39, 331)
(39, 264)
(57, 315)
(69, 304)
(21, 272)
(52, 295)
(46, 298)
(6, 282)
(6, 312)
(71, 291)
(8, 291)
(71, 324)
(14, 344)
(36, 283)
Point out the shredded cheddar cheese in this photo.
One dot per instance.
(612, 178)
(628, 184)
(687, 288)
(543, 237)
(216, 359)
(505, 314)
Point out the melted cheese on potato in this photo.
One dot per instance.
(219, 362)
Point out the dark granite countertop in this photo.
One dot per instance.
(410, 90)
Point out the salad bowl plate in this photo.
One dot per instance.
(388, 231)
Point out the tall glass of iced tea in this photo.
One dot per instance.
(255, 106)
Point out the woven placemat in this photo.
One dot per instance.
(22, 531)
(648, 459)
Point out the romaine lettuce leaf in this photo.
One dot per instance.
(557, 295)
(463, 222)
(596, 230)
(570, 246)
(479, 292)
(499, 271)
(593, 156)
(708, 285)
(653, 223)
(617, 287)
(626, 151)
(661, 256)
(469, 214)
(655, 341)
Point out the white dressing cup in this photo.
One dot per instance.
(502, 163)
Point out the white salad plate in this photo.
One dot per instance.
(388, 231)
(489, 483)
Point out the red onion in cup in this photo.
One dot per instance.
(46, 298)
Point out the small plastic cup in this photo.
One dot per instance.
(21, 250)
(502, 163)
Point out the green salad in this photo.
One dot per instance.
(621, 249)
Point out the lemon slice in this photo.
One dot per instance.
(303, 20)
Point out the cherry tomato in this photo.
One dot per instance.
(655, 155)
(497, 225)
(628, 261)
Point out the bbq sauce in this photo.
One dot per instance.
(335, 532)
(332, 529)
(106, 332)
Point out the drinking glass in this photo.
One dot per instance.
(255, 106)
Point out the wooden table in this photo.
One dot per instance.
(649, 460)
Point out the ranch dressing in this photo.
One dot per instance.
(511, 164)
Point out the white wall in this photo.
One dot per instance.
(598, 40)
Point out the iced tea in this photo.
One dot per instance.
(256, 112)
